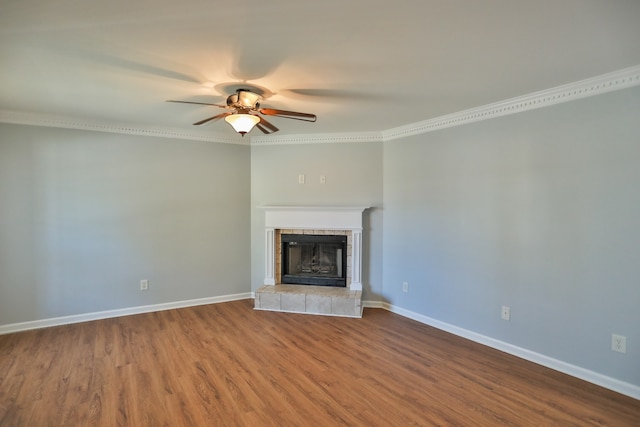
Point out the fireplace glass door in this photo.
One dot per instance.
(309, 259)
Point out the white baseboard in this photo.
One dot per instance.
(373, 304)
(616, 385)
(77, 318)
(622, 387)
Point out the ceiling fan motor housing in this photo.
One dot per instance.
(244, 99)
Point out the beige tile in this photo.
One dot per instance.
(324, 300)
(343, 306)
(319, 304)
(269, 301)
(292, 302)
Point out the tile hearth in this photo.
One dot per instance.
(324, 300)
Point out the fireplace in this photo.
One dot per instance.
(310, 259)
(316, 221)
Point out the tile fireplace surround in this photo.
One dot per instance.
(327, 300)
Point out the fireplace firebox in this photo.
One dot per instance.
(309, 259)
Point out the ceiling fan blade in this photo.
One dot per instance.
(219, 116)
(262, 128)
(288, 114)
(266, 127)
(198, 103)
(332, 94)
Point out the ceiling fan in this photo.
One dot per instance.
(245, 106)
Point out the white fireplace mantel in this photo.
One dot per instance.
(314, 218)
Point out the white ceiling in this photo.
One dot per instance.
(361, 66)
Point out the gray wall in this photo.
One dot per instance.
(353, 178)
(539, 211)
(85, 215)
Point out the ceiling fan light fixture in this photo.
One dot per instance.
(245, 113)
(242, 123)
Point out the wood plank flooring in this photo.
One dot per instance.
(229, 365)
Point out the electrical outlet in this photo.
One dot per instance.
(301, 179)
(619, 343)
(323, 179)
(405, 286)
(144, 285)
(506, 313)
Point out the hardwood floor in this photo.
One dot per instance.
(228, 365)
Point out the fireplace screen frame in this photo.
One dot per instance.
(312, 242)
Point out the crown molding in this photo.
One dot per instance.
(610, 82)
(45, 120)
(318, 138)
(599, 85)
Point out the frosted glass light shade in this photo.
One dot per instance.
(242, 123)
